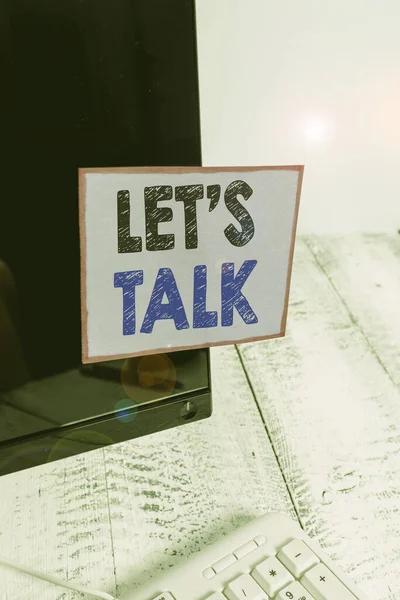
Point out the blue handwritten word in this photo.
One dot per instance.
(232, 298)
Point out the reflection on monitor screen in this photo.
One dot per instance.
(88, 83)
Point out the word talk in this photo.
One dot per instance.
(165, 285)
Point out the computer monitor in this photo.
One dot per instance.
(85, 83)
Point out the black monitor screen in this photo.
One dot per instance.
(85, 83)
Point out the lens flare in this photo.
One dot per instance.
(126, 410)
(316, 129)
(149, 377)
(25, 457)
(71, 444)
(76, 442)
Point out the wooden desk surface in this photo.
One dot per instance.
(308, 425)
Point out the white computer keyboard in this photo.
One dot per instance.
(271, 557)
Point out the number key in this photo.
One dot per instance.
(294, 591)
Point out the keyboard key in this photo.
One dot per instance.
(323, 585)
(244, 588)
(224, 563)
(166, 596)
(297, 557)
(294, 591)
(216, 596)
(260, 540)
(245, 549)
(271, 575)
(208, 573)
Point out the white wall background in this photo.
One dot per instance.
(308, 82)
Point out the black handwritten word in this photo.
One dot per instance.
(188, 196)
(165, 284)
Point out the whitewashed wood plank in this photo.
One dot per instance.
(174, 493)
(333, 414)
(365, 270)
(55, 519)
(149, 504)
